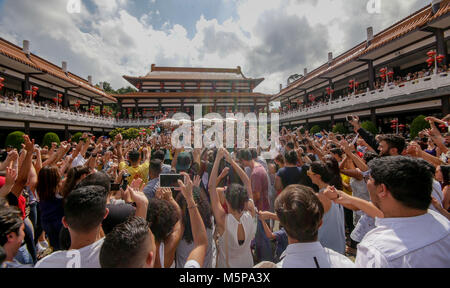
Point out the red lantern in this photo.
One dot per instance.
(60, 101)
(138, 86)
(55, 99)
(162, 85)
(383, 70)
(28, 92)
(390, 73)
(2, 79)
(60, 95)
(440, 58)
(394, 121)
(34, 94)
(34, 88)
(430, 61)
(1, 86)
(431, 53)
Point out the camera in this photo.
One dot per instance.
(125, 180)
(349, 118)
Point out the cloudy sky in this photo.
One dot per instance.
(267, 38)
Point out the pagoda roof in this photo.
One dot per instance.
(189, 94)
(48, 71)
(413, 23)
(192, 74)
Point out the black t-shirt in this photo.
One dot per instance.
(118, 213)
(290, 175)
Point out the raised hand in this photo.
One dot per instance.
(11, 175)
(197, 181)
(29, 144)
(13, 155)
(136, 184)
(187, 187)
(164, 194)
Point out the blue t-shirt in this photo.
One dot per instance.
(282, 243)
(290, 175)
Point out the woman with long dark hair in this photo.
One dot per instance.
(74, 176)
(186, 244)
(51, 203)
(332, 231)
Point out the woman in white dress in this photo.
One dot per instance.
(237, 228)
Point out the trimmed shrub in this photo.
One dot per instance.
(76, 137)
(369, 126)
(315, 129)
(417, 125)
(49, 138)
(340, 129)
(15, 139)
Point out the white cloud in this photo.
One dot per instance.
(271, 39)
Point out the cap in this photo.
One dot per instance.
(184, 161)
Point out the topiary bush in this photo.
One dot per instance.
(417, 125)
(49, 138)
(315, 129)
(369, 126)
(15, 139)
(339, 129)
(76, 137)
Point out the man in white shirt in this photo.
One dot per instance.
(84, 210)
(300, 212)
(409, 235)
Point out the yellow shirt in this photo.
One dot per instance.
(139, 172)
(346, 180)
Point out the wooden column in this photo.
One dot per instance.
(441, 44)
(371, 75)
(66, 99)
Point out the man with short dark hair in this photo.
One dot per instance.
(129, 245)
(11, 235)
(300, 212)
(391, 145)
(135, 169)
(409, 235)
(84, 210)
(160, 155)
(153, 184)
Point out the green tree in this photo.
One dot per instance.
(76, 137)
(49, 138)
(315, 129)
(369, 126)
(339, 128)
(417, 125)
(126, 90)
(15, 139)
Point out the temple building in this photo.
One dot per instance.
(175, 89)
(394, 75)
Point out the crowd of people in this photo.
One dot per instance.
(325, 201)
(397, 80)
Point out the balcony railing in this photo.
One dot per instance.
(388, 91)
(47, 114)
(134, 123)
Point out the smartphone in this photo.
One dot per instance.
(170, 180)
(115, 187)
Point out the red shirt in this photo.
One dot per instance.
(260, 186)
